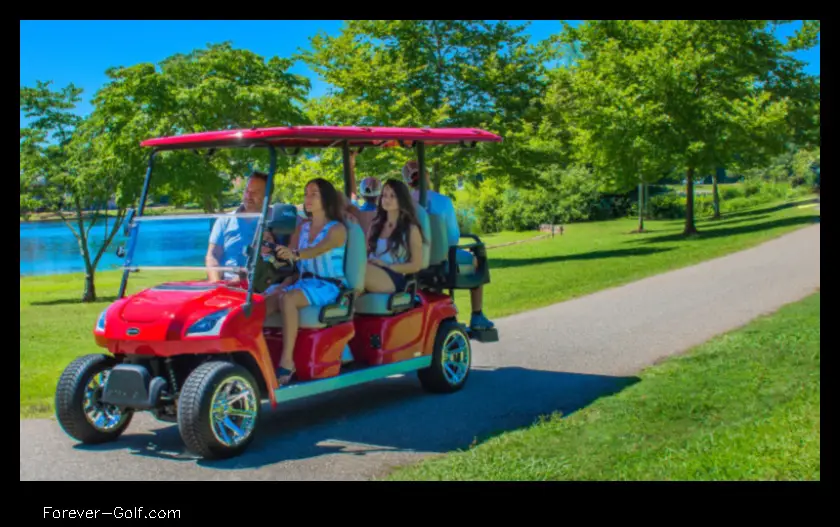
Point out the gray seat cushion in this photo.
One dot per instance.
(308, 317)
(377, 303)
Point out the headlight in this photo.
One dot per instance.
(210, 325)
(100, 324)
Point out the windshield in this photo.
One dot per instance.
(178, 244)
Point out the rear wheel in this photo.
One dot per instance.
(218, 410)
(78, 406)
(451, 360)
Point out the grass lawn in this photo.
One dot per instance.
(55, 327)
(743, 406)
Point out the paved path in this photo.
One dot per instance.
(559, 358)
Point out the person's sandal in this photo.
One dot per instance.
(284, 375)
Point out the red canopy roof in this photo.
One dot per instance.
(321, 136)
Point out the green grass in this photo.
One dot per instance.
(743, 406)
(55, 327)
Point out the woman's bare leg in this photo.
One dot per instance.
(377, 280)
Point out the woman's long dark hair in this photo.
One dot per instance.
(329, 199)
(407, 217)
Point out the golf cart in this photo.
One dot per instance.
(203, 354)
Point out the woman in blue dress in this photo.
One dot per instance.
(317, 249)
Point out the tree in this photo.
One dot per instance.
(61, 172)
(611, 126)
(73, 166)
(433, 73)
(216, 88)
(704, 93)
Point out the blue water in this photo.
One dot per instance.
(50, 248)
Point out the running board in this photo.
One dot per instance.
(483, 335)
(345, 380)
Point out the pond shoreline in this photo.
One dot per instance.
(40, 217)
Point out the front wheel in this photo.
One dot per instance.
(78, 406)
(218, 410)
(451, 360)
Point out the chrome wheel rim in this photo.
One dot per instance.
(233, 411)
(103, 417)
(455, 357)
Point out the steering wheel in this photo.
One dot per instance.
(269, 272)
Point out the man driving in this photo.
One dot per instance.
(231, 236)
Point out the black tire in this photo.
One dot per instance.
(195, 422)
(436, 379)
(71, 400)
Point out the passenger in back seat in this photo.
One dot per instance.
(441, 205)
(395, 241)
(370, 189)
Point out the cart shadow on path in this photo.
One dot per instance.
(394, 415)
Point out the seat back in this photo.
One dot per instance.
(283, 218)
(439, 250)
(425, 228)
(355, 256)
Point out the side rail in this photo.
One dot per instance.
(463, 274)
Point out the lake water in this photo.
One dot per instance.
(50, 248)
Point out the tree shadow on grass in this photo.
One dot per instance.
(769, 210)
(711, 232)
(726, 220)
(72, 301)
(502, 263)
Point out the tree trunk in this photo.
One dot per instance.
(89, 294)
(437, 176)
(689, 203)
(641, 207)
(715, 197)
(90, 287)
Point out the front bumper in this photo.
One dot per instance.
(132, 386)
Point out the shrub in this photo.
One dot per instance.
(752, 187)
(466, 220)
(666, 207)
(728, 193)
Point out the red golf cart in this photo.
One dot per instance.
(203, 354)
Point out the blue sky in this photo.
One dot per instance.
(80, 51)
